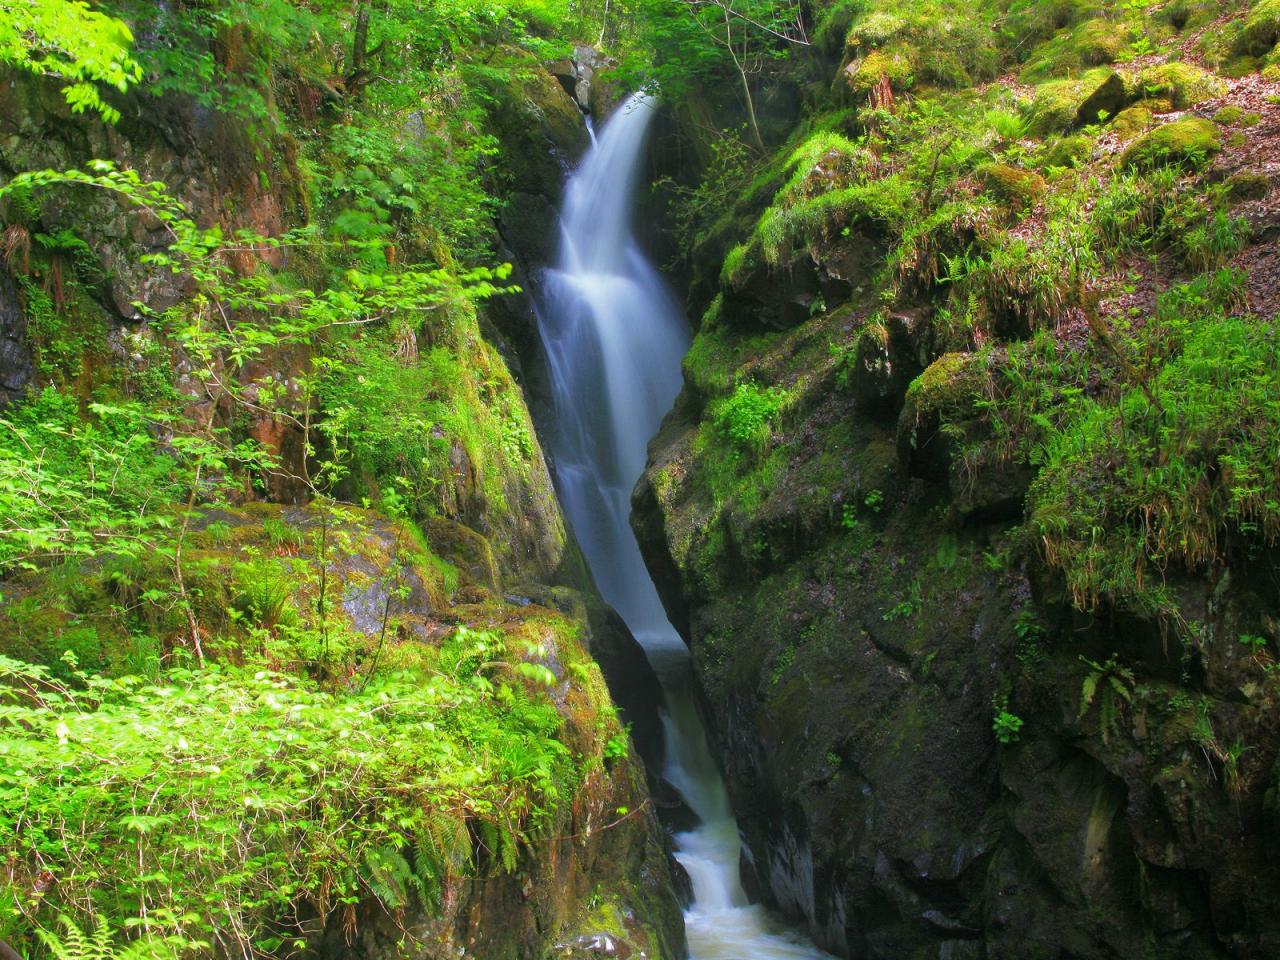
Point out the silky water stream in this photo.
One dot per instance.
(614, 338)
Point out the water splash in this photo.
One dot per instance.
(614, 339)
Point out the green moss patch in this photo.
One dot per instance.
(1063, 104)
(1191, 142)
(1182, 84)
(1019, 190)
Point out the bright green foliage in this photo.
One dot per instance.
(100, 944)
(68, 40)
(237, 793)
(747, 415)
(75, 487)
(1004, 724)
(1171, 471)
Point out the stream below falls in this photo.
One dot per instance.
(614, 338)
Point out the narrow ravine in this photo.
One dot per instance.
(614, 338)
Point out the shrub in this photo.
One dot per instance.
(746, 417)
(215, 803)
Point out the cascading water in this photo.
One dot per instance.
(614, 338)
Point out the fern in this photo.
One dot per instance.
(76, 944)
(1111, 685)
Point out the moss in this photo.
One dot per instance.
(1092, 43)
(1261, 29)
(948, 386)
(1233, 116)
(1247, 186)
(1017, 189)
(893, 65)
(1238, 67)
(1189, 15)
(1069, 152)
(1191, 142)
(1063, 104)
(1183, 84)
(1132, 121)
(941, 43)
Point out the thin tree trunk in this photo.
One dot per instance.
(360, 44)
(742, 75)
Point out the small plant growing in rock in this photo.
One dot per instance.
(747, 416)
(1028, 627)
(1255, 643)
(1005, 725)
(848, 516)
(1109, 684)
(905, 608)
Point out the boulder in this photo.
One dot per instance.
(1061, 105)
(1190, 142)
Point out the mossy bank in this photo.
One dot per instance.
(967, 509)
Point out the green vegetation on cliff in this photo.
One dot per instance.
(986, 610)
(265, 477)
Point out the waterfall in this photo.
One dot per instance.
(614, 338)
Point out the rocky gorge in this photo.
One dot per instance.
(966, 509)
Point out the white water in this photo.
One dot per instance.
(614, 338)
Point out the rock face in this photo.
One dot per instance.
(852, 630)
(15, 355)
(871, 623)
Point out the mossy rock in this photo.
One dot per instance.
(1061, 105)
(1184, 15)
(1132, 121)
(1247, 186)
(1233, 116)
(1261, 29)
(1183, 84)
(1040, 21)
(1092, 43)
(950, 384)
(1017, 189)
(1238, 67)
(866, 75)
(1191, 142)
(1069, 152)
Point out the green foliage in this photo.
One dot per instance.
(1110, 684)
(907, 607)
(746, 416)
(1005, 725)
(79, 487)
(239, 793)
(703, 205)
(68, 40)
(1170, 470)
(99, 944)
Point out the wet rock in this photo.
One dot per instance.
(16, 368)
